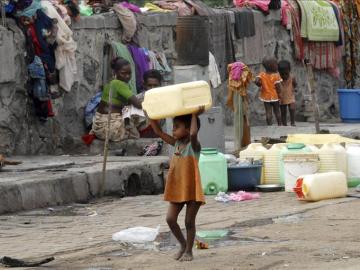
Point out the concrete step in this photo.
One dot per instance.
(44, 181)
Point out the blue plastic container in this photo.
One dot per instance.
(349, 101)
(244, 177)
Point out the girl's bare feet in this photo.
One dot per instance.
(186, 257)
(180, 253)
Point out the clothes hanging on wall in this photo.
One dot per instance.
(127, 20)
(39, 90)
(254, 46)
(322, 55)
(352, 41)
(65, 50)
(339, 19)
(181, 7)
(318, 21)
(141, 62)
(239, 79)
(214, 74)
(158, 62)
(221, 42)
(244, 23)
(262, 5)
(44, 24)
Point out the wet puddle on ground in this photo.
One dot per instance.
(213, 238)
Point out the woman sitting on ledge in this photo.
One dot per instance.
(121, 96)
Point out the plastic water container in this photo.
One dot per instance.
(321, 186)
(255, 151)
(291, 149)
(298, 164)
(313, 148)
(353, 163)
(178, 99)
(332, 158)
(349, 100)
(272, 164)
(213, 171)
(244, 177)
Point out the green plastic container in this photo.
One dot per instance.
(213, 171)
(291, 149)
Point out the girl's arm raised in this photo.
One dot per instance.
(194, 129)
(164, 136)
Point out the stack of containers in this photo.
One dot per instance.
(255, 151)
(353, 161)
(332, 158)
(272, 164)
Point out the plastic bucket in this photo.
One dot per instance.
(349, 102)
(244, 177)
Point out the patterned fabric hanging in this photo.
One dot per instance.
(352, 40)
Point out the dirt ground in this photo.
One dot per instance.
(273, 232)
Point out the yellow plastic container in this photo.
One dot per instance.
(272, 164)
(321, 186)
(255, 151)
(178, 99)
(332, 158)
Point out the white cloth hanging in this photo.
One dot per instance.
(65, 51)
(214, 73)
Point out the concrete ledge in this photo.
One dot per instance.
(49, 181)
(106, 20)
(110, 21)
(157, 19)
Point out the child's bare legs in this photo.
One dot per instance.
(276, 108)
(192, 209)
(171, 219)
(268, 111)
(292, 113)
(283, 109)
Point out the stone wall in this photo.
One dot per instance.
(22, 133)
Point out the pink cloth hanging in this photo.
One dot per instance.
(263, 5)
(236, 70)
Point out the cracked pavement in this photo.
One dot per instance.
(273, 232)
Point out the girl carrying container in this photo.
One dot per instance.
(183, 185)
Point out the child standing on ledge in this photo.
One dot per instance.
(266, 82)
(286, 91)
(183, 185)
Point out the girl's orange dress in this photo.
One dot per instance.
(183, 183)
(268, 91)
